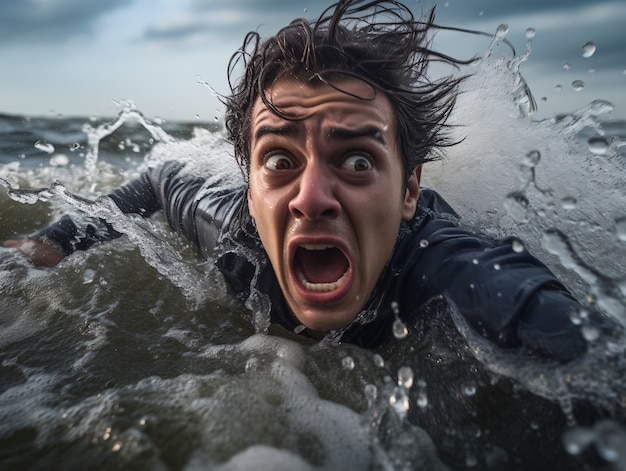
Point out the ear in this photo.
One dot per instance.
(412, 194)
(250, 204)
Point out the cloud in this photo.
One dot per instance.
(195, 28)
(461, 10)
(42, 21)
(258, 6)
(210, 20)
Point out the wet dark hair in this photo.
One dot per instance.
(379, 42)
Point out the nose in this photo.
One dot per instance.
(315, 198)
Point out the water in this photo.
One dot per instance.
(132, 356)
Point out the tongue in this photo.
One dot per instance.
(321, 266)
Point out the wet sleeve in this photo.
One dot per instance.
(545, 327)
(507, 295)
(80, 232)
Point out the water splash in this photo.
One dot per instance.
(94, 135)
(605, 290)
(44, 147)
(156, 251)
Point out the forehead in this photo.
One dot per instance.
(348, 100)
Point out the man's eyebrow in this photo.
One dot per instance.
(372, 132)
(289, 130)
(334, 132)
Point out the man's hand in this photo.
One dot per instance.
(38, 252)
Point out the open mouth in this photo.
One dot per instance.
(321, 268)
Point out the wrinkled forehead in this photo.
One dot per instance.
(298, 98)
(349, 85)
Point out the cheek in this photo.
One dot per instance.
(265, 208)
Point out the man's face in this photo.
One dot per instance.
(327, 193)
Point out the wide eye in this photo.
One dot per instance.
(279, 162)
(357, 163)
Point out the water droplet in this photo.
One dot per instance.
(518, 246)
(558, 88)
(347, 363)
(516, 204)
(59, 160)
(395, 307)
(569, 202)
(530, 33)
(590, 333)
(423, 243)
(378, 361)
(399, 329)
(44, 146)
(371, 393)
(620, 229)
(502, 31)
(578, 85)
(567, 66)
(601, 106)
(496, 266)
(610, 439)
(475, 261)
(577, 439)
(532, 158)
(591, 70)
(598, 145)
(399, 400)
(299, 329)
(576, 318)
(422, 400)
(252, 364)
(471, 460)
(405, 377)
(469, 389)
(88, 276)
(588, 49)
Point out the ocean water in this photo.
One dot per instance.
(132, 355)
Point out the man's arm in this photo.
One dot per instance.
(504, 292)
(48, 246)
(508, 296)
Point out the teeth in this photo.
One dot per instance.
(316, 246)
(322, 287)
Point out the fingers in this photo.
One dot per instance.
(38, 252)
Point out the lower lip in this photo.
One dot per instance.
(326, 297)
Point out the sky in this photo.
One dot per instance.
(87, 58)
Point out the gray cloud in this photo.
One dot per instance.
(260, 6)
(461, 10)
(231, 19)
(32, 21)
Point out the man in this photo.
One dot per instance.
(330, 234)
